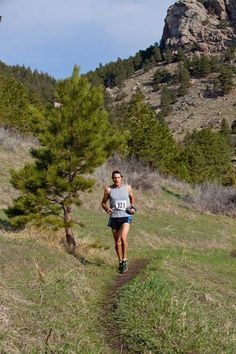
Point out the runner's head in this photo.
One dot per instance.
(117, 178)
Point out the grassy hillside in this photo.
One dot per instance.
(184, 301)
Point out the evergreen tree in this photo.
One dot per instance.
(161, 76)
(16, 103)
(214, 63)
(194, 65)
(183, 77)
(169, 58)
(78, 138)
(157, 54)
(229, 55)
(225, 131)
(150, 141)
(226, 79)
(207, 156)
(181, 57)
(167, 98)
(205, 66)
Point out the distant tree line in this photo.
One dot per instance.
(114, 73)
(40, 83)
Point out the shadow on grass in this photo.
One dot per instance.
(6, 225)
(97, 262)
(82, 259)
(176, 195)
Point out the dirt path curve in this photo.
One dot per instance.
(115, 342)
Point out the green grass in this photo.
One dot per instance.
(181, 306)
(45, 290)
(184, 302)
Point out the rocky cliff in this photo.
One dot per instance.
(203, 25)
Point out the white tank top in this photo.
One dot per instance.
(119, 201)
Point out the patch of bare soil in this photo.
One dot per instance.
(114, 340)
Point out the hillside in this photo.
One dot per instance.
(53, 302)
(193, 111)
(41, 84)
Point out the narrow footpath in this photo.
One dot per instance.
(115, 341)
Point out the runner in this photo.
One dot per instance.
(121, 208)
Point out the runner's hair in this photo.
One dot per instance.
(116, 172)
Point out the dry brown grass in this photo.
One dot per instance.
(50, 238)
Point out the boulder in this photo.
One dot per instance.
(204, 25)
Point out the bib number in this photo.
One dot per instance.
(121, 205)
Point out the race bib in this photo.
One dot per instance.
(121, 205)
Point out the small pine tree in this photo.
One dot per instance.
(169, 57)
(167, 98)
(181, 57)
(229, 55)
(226, 80)
(205, 66)
(183, 76)
(157, 54)
(78, 138)
(225, 131)
(161, 76)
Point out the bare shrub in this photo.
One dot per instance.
(136, 173)
(181, 187)
(102, 174)
(214, 198)
(12, 141)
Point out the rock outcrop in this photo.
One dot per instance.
(203, 25)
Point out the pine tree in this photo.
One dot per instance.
(157, 54)
(167, 98)
(207, 156)
(77, 139)
(183, 76)
(225, 131)
(229, 55)
(205, 66)
(168, 56)
(181, 57)
(150, 141)
(226, 79)
(16, 102)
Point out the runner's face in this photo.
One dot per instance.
(117, 179)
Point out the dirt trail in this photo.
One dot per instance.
(115, 342)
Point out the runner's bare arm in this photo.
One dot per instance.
(105, 199)
(131, 195)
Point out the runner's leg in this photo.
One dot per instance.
(118, 246)
(123, 235)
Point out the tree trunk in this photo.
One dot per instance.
(151, 166)
(69, 233)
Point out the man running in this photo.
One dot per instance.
(121, 208)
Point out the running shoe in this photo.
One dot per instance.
(120, 267)
(124, 267)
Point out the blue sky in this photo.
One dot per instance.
(53, 35)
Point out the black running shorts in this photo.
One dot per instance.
(115, 223)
